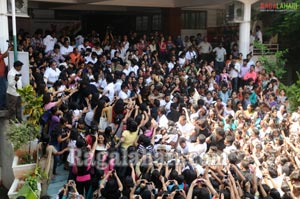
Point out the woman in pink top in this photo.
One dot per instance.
(83, 160)
(49, 100)
(162, 48)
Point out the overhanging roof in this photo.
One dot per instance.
(102, 4)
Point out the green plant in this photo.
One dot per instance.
(32, 104)
(293, 93)
(21, 133)
(25, 157)
(277, 65)
(30, 187)
(28, 192)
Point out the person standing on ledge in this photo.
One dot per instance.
(14, 79)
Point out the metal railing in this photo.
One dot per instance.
(271, 50)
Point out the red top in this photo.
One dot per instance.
(2, 66)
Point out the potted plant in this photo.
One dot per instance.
(18, 134)
(23, 135)
(29, 187)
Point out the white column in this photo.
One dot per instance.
(4, 35)
(244, 40)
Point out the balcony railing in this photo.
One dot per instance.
(271, 49)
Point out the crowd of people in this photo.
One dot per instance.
(149, 116)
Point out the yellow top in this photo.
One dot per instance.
(129, 138)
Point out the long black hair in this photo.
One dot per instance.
(45, 139)
(98, 111)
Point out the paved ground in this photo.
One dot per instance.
(58, 182)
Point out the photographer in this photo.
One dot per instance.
(14, 78)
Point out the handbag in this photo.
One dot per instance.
(103, 123)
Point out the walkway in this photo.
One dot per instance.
(58, 182)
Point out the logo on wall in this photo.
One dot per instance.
(21, 7)
(278, 7)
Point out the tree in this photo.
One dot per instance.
(287, 25)
(293, 93)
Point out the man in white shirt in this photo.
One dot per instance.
(205, 49)
(250, 61)
(172, 63)
(51, 74)
(109, 90)
(230, 147)
(125, 42)
(200, 147)
(166, 102)
(191, 54)
(184, 127)
(125, 92)
(92, 57)
(97, 48)
(133, 67)
(82, 47)
(162, 119)
(126, 69)
(258, 35)
(66, 49)
(234, 74)
(183, 146)
(14, 78)
(49, 41)
(220, 57)
(119, 81)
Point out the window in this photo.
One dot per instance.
(141, 23)
(193, 19)
(156, 22)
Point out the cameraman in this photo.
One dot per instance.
(14, 79)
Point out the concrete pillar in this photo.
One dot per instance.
(244, 40)
(4, 35)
